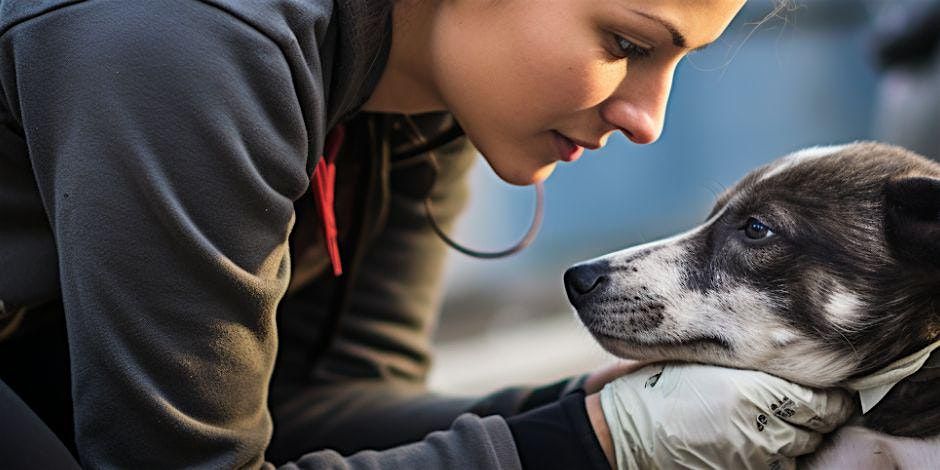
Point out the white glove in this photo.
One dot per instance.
(698, 416)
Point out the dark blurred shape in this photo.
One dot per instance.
(911, 39)
(907, 52)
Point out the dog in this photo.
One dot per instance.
(820, 267)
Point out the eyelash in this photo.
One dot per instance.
(628, 49)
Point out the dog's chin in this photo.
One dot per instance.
(709, 349)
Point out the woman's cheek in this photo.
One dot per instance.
(595, 81)
(574, 83)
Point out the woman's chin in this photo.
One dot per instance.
(544, 172)
(524, 175)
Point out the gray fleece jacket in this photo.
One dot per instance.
(151, 156)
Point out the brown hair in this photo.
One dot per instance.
(781, 8)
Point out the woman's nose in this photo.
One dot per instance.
(640, 125)
(638, 106)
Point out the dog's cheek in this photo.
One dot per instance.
(748, 319)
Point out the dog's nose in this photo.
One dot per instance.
(584, 280)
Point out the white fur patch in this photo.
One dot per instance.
(842, 308)
(801, 156)
(810, 362)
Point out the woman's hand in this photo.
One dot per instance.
(596, 380)
(699, 416)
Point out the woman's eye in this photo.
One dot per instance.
(756, 230)
(627, 49)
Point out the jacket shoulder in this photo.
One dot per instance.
(282, 20)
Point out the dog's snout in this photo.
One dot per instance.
(584, 280)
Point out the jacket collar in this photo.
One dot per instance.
(364, 29)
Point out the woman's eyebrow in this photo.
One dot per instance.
(678, 39)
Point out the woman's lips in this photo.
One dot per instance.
(568, 151)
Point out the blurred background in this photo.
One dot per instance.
(822, 72)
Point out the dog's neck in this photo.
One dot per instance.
(912, 407)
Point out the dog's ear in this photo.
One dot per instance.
(913, 218)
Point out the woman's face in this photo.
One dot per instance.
(517, 73)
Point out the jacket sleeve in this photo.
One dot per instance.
(367, 389)
(168, 144)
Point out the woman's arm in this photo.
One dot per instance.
(167, 158)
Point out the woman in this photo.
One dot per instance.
(162, 244)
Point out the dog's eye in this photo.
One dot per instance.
(756, 230)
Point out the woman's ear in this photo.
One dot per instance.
(913, 218)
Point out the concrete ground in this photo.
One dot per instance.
(538, 351)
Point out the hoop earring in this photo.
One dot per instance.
(526, 240)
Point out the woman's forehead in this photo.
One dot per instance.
(688, 24)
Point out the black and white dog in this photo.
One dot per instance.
(820, 267)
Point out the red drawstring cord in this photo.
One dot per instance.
(322, 185)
